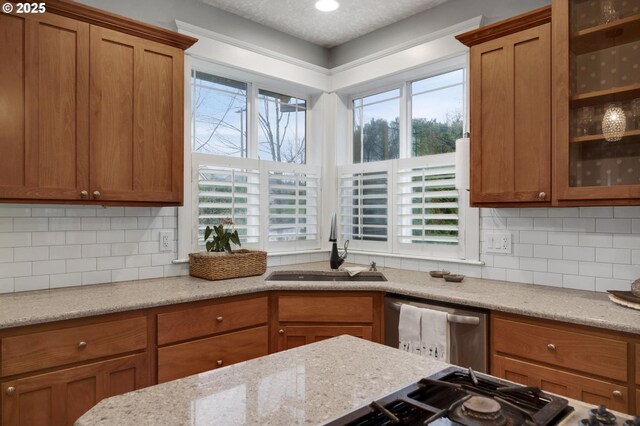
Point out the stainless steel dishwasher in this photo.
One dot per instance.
(468, 328)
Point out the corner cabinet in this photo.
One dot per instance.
(510, 81)
(597, 93)
(96, 112)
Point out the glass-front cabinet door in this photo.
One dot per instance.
(597, 90)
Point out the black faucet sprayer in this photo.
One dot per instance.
(335, 259)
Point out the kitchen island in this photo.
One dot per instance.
(308, 385)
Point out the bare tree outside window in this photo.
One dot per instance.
(282, 121)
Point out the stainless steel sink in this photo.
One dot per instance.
(324, 276)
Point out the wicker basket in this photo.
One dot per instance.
(222, 266)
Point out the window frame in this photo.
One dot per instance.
(468, 248)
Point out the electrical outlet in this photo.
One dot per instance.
(499, 242)
(165, 240)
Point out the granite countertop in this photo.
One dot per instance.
(311, 384)
(573, 306)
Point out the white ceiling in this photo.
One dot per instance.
(301, 19)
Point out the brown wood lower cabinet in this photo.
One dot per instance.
(189, 358)
(293, 336)
(60, 397)
(572, 385)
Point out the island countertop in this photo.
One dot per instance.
(572, 306)
(309, 385)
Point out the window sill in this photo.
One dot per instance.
(418, 257)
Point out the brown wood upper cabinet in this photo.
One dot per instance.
(510, 81)
(92, 108)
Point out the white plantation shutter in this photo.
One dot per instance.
(364, 205)
(428, 213)
(226, 192)
(293, 207)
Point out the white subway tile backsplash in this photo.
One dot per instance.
(563, 266)
(520, 223)
(499, 274)
(579, 253)
(563, 238)
(150, 272)
(55, 246)
(176, 270)
(626, 272)
(6, 285)
(65, 280)
(508, 262)
(525, 250)
(96, 250)
(65, 224)
(547, 278)
(533, 237)
(96, 277)
(564, 212)
(578, 225)
(531, 212)
(547, 252)
(167, 258)
(635, 226)
(626, 211)
(626, 241)
(32, 283)
(608, 255)
(27, 254)
(592, 269)
(604, 284)
(518, 276)
(533, 264)
(577, 282)
(49, 267)
(17, 239)
(596, 211)
(548, 224)
(81, 265)
(65, 252)
(635, 257)
(30, 224)
(615, 226)
(595, 240)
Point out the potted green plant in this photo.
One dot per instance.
(220, 262)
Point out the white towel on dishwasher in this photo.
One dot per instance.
(434, 335)
(409, 328)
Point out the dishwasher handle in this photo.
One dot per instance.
(457, 319)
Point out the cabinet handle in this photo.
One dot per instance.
(82, 345)
(96, 194)
(220, 319)
(551, 347)
(617, 394)
(542, 196)
(281, 331)
(11, 390)
(220, 363)
(84, 194)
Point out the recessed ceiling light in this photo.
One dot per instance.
(327, 5)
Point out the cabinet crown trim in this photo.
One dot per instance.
(509, 26)
(98, 17)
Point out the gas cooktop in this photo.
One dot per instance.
(457, 396)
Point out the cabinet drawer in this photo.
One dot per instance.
(344, 309)
(202, 321)
(36, 351)
(590, 354)
(574, 386)
(185, 359)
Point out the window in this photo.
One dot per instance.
(252, 168)
(399, 193)
(219, 115)
(437, 113)
(376, 127)
(282, 127)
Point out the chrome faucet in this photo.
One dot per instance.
(335, 259)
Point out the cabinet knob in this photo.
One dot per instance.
(542, 196)
(617, 394)
(220, 319)
(82, 345)
(96, 194)
(281, 331)
(84, 194)
(220, 363)
(11, 390)
(551, 347)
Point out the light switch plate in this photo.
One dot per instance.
(165, 240)
(499, 242)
